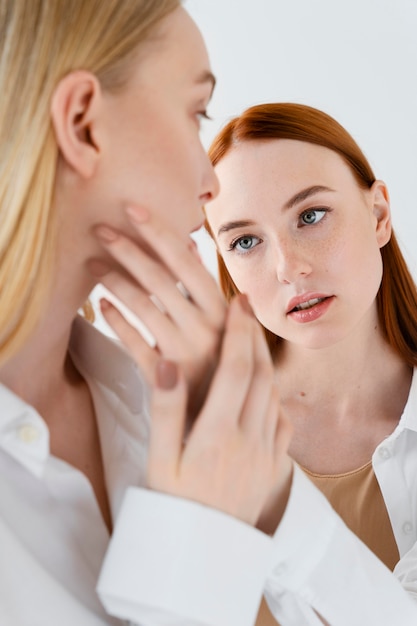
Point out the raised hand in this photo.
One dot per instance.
(164, 284)
(235, 455)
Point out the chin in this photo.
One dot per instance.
(312, 339)
(322, 341)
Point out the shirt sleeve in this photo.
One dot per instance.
(322, 568)
(406, 572)
(173, 561)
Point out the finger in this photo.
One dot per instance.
(233, 376)
(154, 278)
(283, 435)
(168, 413)
(148, 309)
(141, 264)
(272, 417)
(256, 409)
(173, 342)
(180, 257)
(144, 354)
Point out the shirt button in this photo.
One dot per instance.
(407, 528)
(28, 433)
(384, 453)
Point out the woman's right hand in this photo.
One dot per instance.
(158, 276)
(235, 453)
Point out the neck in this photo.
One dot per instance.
(41, 367)
(342, 400)
(353, 377)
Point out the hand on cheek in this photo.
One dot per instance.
(165, 285)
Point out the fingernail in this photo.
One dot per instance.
(244, 303)
(137, 213)
(106, 234)
(166, 374)
(104, 304)
(194, 249)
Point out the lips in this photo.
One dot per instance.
(305, 301)
(307, 305)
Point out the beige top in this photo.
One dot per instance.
(357, 498)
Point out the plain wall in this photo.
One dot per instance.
(356, 60)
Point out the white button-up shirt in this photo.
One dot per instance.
(53, 539)
(171, 561)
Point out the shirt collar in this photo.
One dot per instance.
(409, 417)
(105, 360)
(23, 433)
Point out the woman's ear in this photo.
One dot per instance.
(382, 212)
(74, 108)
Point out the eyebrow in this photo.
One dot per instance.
(232, 225)
(304, 194)
(295, 199)
(207, 77)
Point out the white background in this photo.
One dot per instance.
(354, 59)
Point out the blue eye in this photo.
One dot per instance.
(312, 216)
(244, 244)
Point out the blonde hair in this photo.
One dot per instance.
(41, 42)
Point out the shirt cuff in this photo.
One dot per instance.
(174, 561)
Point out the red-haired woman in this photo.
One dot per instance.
(303, 227)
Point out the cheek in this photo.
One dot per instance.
(252, 280)
(357, 268)
(368, 273)
(363, 252)
(336, 255)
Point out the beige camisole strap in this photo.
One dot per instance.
(358, 500)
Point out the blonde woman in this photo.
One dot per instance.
(103, 176)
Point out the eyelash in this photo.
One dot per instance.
(233, 245)
(321, 210)
(202, 116)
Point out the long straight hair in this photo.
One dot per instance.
(397, 295)
(40, 42)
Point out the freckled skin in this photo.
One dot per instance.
(338, 255)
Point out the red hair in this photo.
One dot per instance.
(397, 295)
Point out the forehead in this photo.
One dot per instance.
(255, 174)
(177, 50)
(274, 160)
(181, 28)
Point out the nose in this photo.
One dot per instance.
(291, 262)
(210, 184)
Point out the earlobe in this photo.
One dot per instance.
(74, 109)
(382, 212)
